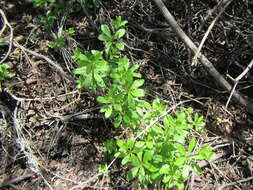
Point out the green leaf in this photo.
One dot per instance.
(180, 161)
(149, 144)
(80, 71)
(142, 172)
(138, 93)
(117, 107)
(117, 121)
(148, 155)
(180, 148)
(165, 169)
(151, 167)
(106, 30)
(120, 45)
(137, 83)
(139, 155)
(120, 33)
(166, 179)
(191, 144)
(196, 168)
(126, 160)
(103, 37)
(134, 160)
(108, 111)
(132, 173)
(180, 186)
(103, 100)
(157, 129)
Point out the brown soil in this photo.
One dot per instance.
(62, 125)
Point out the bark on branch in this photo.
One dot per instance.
(207, 64)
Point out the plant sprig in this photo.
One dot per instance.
(166, 150)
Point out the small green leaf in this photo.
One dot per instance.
(149, 144)
(103, 100)
(134, 160)
(117, 107)
(120, 33)
(180, 161)
(165, 169)
(137, 83)
(103, 37)
(180, 186)
(151, 167)
(191, 144)
(117, 121)
(120, 46)
(139, 144)
(157, 129)
(106, 30)
(148, 155)
(142, 172)
(138, 93)
(108, 111)
(125, 160)
(180, 148)
(132, 173)
(166, 179)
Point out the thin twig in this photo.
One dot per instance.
(51, 62)
(207, 64)
(195, 58)
(234, 183)
(16, 180)
(6, 23)
(236, 81)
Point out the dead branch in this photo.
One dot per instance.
(195, 58)
(51, 62)
(16, 180)
(207, 64)
(236, 182)
(6, 23)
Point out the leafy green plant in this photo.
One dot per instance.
(161, 148)
(93, 69)
(113, 45)
(165, 152)
(4, 73)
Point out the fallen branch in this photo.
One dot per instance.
(51, 62)
(195, 59)
(236, 182)
(6, 23)
(207, 64)
(16, 180)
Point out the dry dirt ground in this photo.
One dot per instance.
(61, 127)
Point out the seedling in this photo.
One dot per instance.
(157, 152)
(4, 73)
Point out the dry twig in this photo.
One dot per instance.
(237, 79)
(195, 58)
(6, 23)
(207, 64)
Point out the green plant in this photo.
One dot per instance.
(4, 73)
(40, 3)
(61, 41)
(165, 152)
(90, 3)
(159, 150)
